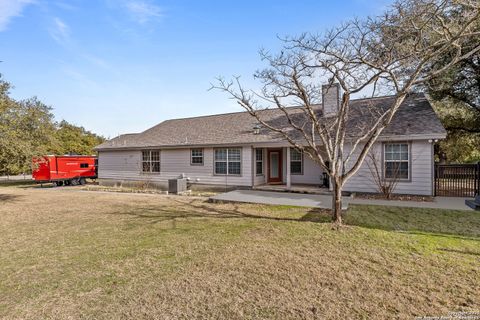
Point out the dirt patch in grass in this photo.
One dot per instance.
(92, 187)
(131, 256)
(202, 193)
(193, 193)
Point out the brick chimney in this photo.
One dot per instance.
(330, 99)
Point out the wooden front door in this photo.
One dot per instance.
(274, 174)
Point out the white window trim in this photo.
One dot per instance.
(262, 162)
(409, 155)
(301, 162)
(150, 162)
(202, 156)
(227, 161)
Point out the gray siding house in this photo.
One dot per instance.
(230, 150)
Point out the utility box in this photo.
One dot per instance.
(177, 185)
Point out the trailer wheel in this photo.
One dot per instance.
(60, 183)
(83, 181)
(74, 182)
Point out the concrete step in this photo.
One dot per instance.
(294, 189)
(473, 204)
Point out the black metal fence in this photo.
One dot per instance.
(457, 180)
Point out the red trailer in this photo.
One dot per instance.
(64, 170)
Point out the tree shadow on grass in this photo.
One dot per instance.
(194, 208)
(394, 222)
(429, 222)
(9, 197)
(37, 186)
(19, 183)
(318, 215)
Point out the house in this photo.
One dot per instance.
(231, 150)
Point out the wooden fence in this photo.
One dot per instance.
(457, 180)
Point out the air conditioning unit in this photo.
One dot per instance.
(178, 185)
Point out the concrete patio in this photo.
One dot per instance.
(325, 201)
(294, 188)
(276, 198)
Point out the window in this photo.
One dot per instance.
(83, 165)
(396, 158)
(228, 161)
(151, 161)
(296, 161)
(196, 157)
(259, 161)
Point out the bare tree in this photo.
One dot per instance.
(393, 53)
(384, 186)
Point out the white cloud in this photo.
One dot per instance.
(60, 31)
(143, 11)
(10, 9)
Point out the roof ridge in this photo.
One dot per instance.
(228, 113)
(237, 112)
(215, 115)
(389, 96)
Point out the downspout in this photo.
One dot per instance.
(432, 156)
(288, 167)
(252, 166)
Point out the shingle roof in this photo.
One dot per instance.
(415, 117)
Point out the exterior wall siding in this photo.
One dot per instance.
(420, 182)
(121, 165)
(126, 166)
(312, 173)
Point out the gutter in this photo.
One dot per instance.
(267, 143)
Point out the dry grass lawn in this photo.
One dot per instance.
(68, 254)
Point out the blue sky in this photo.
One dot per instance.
(118, 66)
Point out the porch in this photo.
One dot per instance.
(283, 168)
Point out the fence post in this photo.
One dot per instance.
(477, 192)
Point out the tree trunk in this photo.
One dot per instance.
(337, 203)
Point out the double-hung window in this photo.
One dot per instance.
(228, 161)
(259, 161)
(151, 161)
(296, 161)
(196, 157)
(396, 161)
